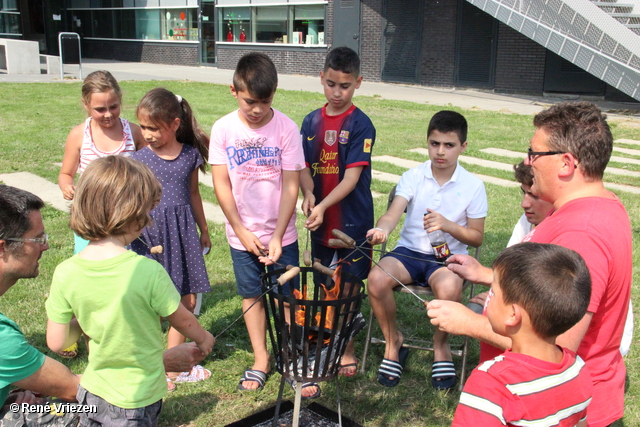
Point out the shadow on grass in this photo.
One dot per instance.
(182, 409)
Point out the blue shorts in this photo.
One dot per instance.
(357, 263)
(420, 271)
(248, 268)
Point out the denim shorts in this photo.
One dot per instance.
(248, 268)
(107, 414)
(357, 263)
(420, 271)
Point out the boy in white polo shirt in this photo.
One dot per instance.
(437, 195)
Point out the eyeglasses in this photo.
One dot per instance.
(42, 240)
(531, 154)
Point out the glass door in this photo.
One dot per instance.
(208, 40)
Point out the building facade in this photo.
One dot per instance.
(442, 43)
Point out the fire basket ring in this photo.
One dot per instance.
(310, 329)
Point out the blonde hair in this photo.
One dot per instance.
(98, 82)
(114, 193)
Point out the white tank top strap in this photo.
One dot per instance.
(89, 152)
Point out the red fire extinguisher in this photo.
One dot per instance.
(243, 36)
(229, 36)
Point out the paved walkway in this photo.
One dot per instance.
(465, 98)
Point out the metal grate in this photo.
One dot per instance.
(581, 32)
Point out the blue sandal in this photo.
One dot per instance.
(390, 371)
(443, 375)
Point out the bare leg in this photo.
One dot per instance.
(349, 358)
(383, 302)
(446, 286)
(175, 338)
(257, 328)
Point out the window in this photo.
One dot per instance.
(271, 24)
(235, 24)
(296, 24)
(9, 17)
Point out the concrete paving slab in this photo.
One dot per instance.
(627, 141)
(48, 191)
(396, 161)
(622, 187)
(412, 163)
(627, 151)
(472, 160)
(205, 178)
(384, 176)
(517, 155)
(213, 213)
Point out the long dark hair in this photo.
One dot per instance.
(163, 106)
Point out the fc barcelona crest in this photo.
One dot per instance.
(344, 137)
(330, 137)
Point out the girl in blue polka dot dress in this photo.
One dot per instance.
(176, 151)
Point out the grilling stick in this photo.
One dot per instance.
(351, 244)
(288, 275)
(337, 243)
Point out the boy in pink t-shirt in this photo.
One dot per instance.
(256, 157)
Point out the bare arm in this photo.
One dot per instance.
(288, 199)
(306, 185)
(469, 268)
(62, 335)
(222, 188)
(52, 379)
(70, 162)
(387, 222)
(472, 234)
(138, 139)
(455, 318)
(573, 337)
(182, 358)
(186, 323)
(198, 211)
(346, 186)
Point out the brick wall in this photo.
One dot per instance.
(439, 43)
(371, 40)
(519, 63)
(155, 53)
(305, 61)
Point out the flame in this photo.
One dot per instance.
(329, 295)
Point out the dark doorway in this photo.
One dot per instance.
(562, 76)
(402, 40)
(476, 50)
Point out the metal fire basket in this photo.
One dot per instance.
(310, 329)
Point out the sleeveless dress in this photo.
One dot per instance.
(89, 152)
(174, 225)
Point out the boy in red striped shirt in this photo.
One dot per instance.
(539, 291)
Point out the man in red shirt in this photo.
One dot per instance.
(568, 154)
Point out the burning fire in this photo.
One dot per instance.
(329, 295)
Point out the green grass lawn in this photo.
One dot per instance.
(34, 122)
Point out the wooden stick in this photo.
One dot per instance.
(322, 269)
(345, 238)
(288, 275)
